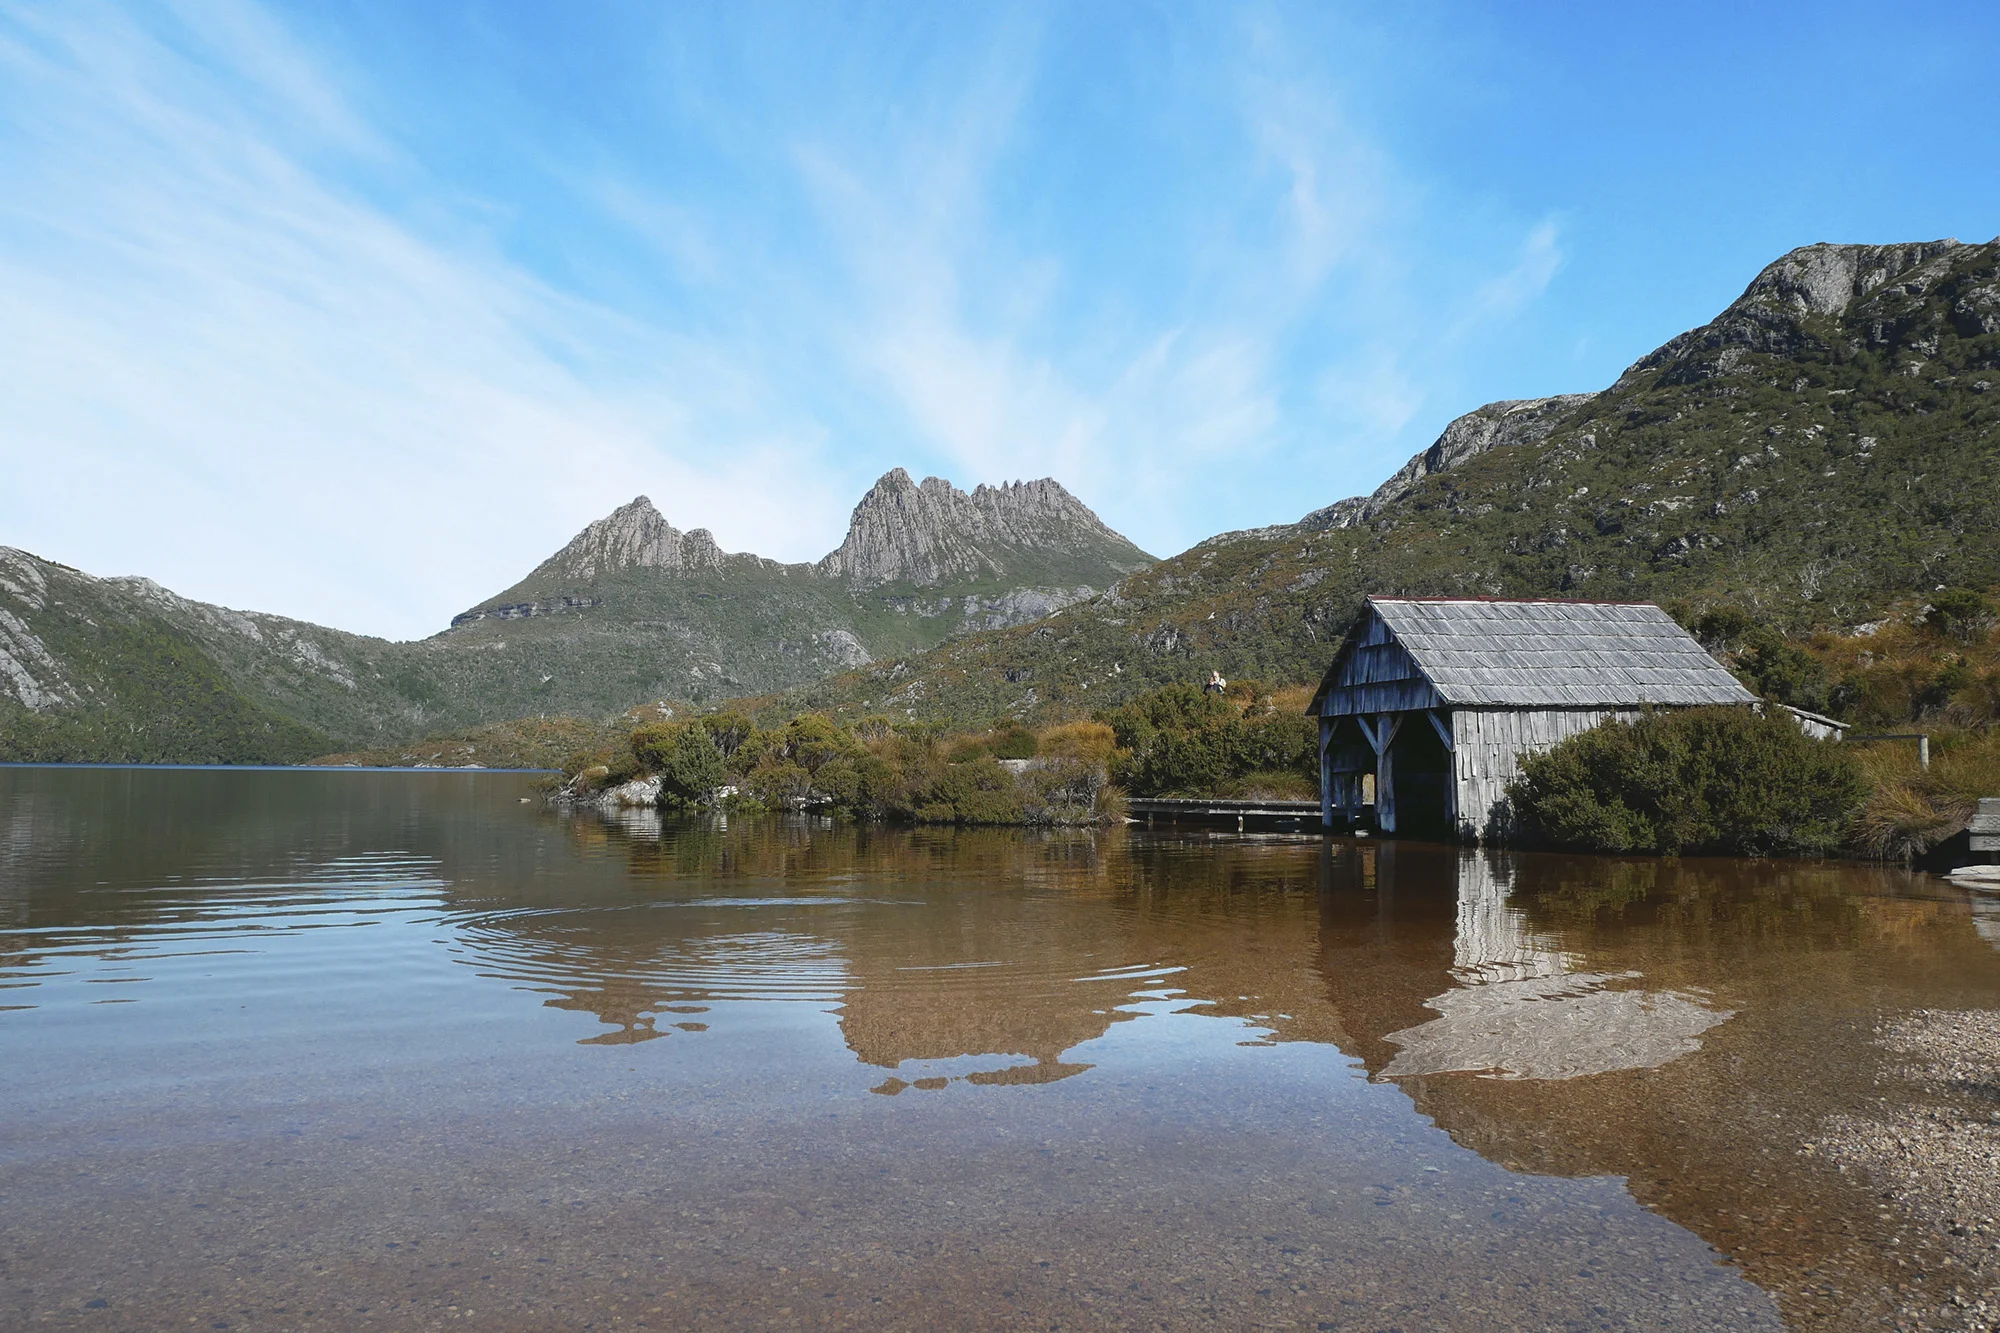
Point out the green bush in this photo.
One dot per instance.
(690, 767)
(649, 744)
(728, 731)
(1962, 613)
(1703, 780)
(978, 791)
(1013, 742)
(1184, 740)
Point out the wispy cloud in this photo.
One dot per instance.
(1507, 294)
(229, 371)
(263, 341)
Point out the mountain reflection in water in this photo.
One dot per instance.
(1684, 1025)
(404, 1043)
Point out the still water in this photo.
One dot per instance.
(352, 1050)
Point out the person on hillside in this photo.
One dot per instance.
(1215, 684)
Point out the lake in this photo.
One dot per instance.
(312, 1049)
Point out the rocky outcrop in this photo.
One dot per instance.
(1828, 279)
(1871, 296)
(1518, 421)
(27, 669)
(633, 536)
(933, 533)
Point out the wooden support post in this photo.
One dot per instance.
(1383, 739)
(1326, 775)
(1442, 725)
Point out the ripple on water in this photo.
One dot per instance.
(116, 926)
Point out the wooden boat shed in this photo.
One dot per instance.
(1439, 699)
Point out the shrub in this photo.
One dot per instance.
(728, 731)
(1013, 741)
(1715, 780)
(1085, 742)
(1962, 613)
(978, 791)
(812, 762)
(649, 744)
(691, 767)
(1183, 740)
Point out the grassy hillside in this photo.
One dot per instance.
(171, 703)
(1819, 455)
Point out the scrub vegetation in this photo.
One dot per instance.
(1177, 740)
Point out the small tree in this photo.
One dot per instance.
(1962, 613)
(694, 767)
(689, 765)
(728, 731)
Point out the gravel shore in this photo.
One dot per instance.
(1936, 1159)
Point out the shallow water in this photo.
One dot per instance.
(341, 1050)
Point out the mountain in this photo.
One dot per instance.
(1025, 533)
(1821, 452)
(630, 610)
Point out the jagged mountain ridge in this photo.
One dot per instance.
(902, 535)
(924, 535)
(629, 610)
(1820, 452)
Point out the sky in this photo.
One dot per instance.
(355, 311)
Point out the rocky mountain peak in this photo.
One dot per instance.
(1827, 279)
(932, 532)
(1841, 299)
(633, 536)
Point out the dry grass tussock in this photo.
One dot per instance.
(1909, 809)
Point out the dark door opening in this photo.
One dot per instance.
(1422, 774)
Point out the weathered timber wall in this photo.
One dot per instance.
(1378, 676)
(1487, 745)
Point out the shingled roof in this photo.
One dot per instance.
(1540, 654)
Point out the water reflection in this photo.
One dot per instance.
(1689, 1029)
(1686, 1026)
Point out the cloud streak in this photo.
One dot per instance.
(256, 385)
(266, 340)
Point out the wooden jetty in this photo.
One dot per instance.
(1302, 816)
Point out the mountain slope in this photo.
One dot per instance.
(1823, 449)
(629, 610)
(101, 670)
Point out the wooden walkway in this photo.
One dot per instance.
(1154, 810)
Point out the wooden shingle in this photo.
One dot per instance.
(1528, 654)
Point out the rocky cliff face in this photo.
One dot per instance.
(634, 536)
(1840, 301)
(933, 533)
(631, 537)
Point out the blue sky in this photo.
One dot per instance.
(355, 310)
